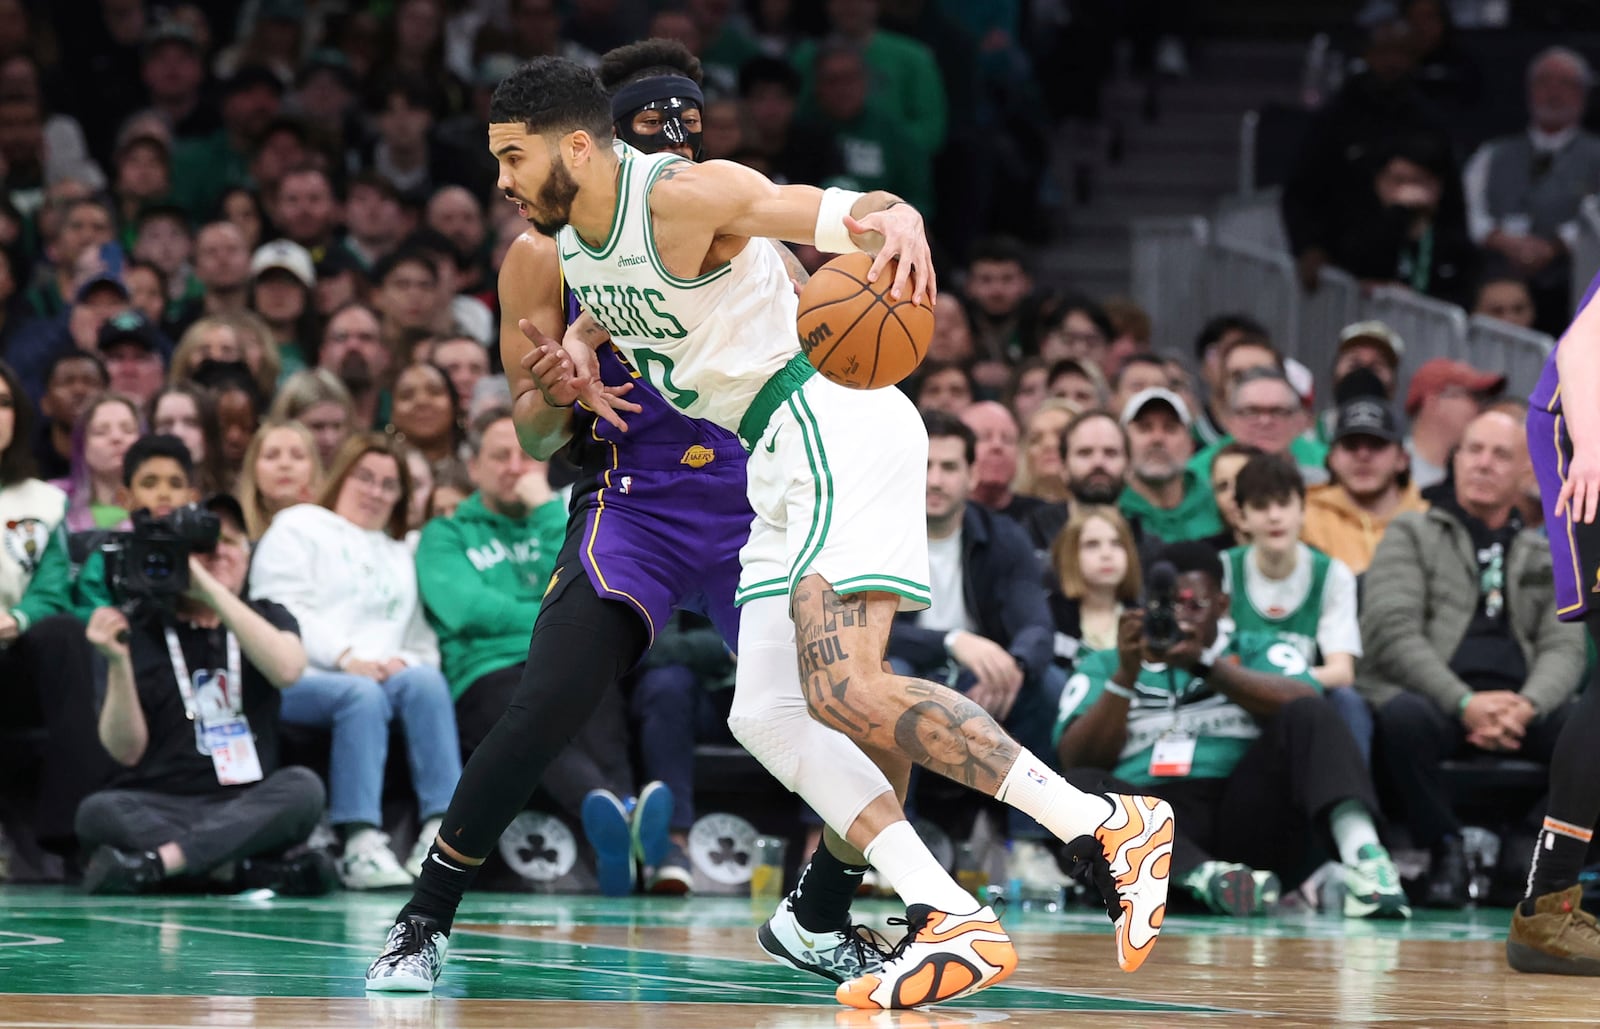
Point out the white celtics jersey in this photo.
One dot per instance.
(707, 344)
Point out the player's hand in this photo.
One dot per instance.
(562, 384)
(905, 239)
(1580, 491)
(108, 633)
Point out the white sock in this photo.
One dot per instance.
(1352, 829)
(1032, 788)
(903, 859)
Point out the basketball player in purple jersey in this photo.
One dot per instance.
(656, 523)
(1549, 931)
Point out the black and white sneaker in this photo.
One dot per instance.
(840, 956)
(412, 957)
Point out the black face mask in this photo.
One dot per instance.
(673, 132)
(668, 95)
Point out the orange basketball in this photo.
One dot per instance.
(854, 332)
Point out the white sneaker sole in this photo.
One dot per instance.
(400, 984)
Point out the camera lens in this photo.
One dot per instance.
(157, 566)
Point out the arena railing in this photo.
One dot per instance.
(1500, 346)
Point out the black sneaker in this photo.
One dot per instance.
(412, 957)
(122, 872)
(308, 874)
(1446, 885)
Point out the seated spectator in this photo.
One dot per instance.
(1001, 300)
(1279, 586)
(1130, 326)
(465, 361)
(994, 471)
(239, 410)
(209, 338)
(421, 470)
(1369, 483)
(1523, 191)
(427, 413)
(283, 281)
(172, 811)
(1025, 387)
(879, 152)
(1040, 472)
(370, 654)
(318, 400)
(1505, 299)
(1265, 411)
(74, 378)
(1164, 494)
(1224, 475)
(184, 411)
(1464, 653)
(406, 297)
(131, 348)
(794, 151)
(340, 280)
(44, 660)
(1076, 383)
(943, 387)
(1371, 347)
(1078, 329)
(1232, 732)
(241, 207)
(1443, 396)
(988, 632)
(451, 486)
(1141, 371)
(1217, 335)
(85, 225)
(105, 431)
(1097, 574)
(281, 469)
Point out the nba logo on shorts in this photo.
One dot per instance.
(627, 484)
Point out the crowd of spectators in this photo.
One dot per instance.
(251, 267)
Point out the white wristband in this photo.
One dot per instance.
(831, 235)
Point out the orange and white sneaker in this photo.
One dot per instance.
(1137, 842)
(942, 957)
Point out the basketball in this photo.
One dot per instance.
(854, 333)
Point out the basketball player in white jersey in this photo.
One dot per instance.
(656, 250)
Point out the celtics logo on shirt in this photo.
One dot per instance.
(25, 540)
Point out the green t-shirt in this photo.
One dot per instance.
(905, 80)
(107, 516)
(878, 154)
(1223, 730)
(1306, 451)
(1298, 627)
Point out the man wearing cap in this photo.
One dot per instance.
(132, 349)
(283, 281)
(1368, 485)
(192, 719)
(1464, 652)
(1168, 498)
(1443, 397)
(173, 71)
(1370, 345)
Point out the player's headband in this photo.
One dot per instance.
(670, 95)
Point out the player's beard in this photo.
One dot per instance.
(551, 209)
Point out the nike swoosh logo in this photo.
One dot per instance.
(810, 944)
(772, 448)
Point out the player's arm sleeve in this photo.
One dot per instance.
(457, 599)
(1392, 629)
(1339, 622)
(1555, 668)
(49, 591)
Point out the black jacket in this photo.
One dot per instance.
(1004, 593)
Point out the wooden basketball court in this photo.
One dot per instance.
(69, 960)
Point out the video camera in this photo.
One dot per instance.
(147, 567)
(1161, 629)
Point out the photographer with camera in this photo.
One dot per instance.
(191, 708)
(1233, 733)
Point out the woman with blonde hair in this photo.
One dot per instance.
(281, 469)
(226, 338)
(317, 399)
(342, 568)
(1040, 472)
(1096, 565)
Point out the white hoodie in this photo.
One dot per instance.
(29, 512)
(349, 588)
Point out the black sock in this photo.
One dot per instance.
(1574, 793)
(827, 886)
(439, 889)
